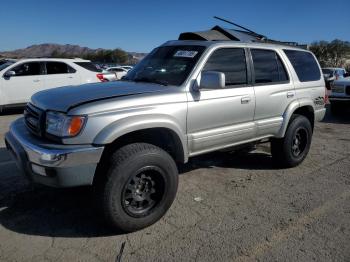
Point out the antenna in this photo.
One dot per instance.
(239, 26)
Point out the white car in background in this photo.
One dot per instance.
(127, 67)
(119, 71)
(20, 79)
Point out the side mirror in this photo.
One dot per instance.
(212, 80)
(9, 74)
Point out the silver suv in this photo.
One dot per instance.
(186, 98)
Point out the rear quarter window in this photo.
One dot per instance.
(304, 64)
(88, 66)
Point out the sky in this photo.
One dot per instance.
(142, 25)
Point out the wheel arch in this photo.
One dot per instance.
(302, 107)
(156, 130)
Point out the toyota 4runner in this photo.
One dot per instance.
(207, 91)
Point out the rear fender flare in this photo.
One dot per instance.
(292, 107)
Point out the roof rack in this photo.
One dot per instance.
(242, 34)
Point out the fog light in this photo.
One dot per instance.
(39, 170)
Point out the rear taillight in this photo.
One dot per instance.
(325, 95)
(101, 78)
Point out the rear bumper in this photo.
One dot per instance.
(52, 164)
(319, 114)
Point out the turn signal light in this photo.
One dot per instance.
(75, 125)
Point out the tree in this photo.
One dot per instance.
(117, 55)
(331, 54)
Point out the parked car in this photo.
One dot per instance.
(19, 80)
(340, 95)
(331, 73)
(127, 67)
(119, 71)
(186, 98)
(108, 76)
(5, 61)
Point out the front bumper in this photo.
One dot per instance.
(339, 99)
(52, 164)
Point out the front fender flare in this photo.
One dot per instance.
(136, 123)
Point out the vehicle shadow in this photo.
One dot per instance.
(342, 117)
(39, 210)
(43, 211)
(255, 160)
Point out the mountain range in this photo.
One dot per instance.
(46, 50)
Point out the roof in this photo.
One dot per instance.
(230, 43)
(53, 59)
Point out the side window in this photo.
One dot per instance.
(27, 69)
(231, 62)
(268, 67)
(304, 65)
(58, 68)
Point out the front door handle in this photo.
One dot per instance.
(245, 100)
(36, 80)
(290, 94)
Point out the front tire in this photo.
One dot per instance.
(291, 150)
(139, 187)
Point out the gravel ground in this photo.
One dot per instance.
(229, 207)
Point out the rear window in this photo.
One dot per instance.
(268, 67)
(115, 70)
(88, 66)
(5, 64)
(327, 71)
(304, 65)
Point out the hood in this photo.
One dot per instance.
(64, 98)
(342, 81)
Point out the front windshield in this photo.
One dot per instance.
(167, 65)
(4, 65)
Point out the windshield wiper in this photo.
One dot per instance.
(150, 80)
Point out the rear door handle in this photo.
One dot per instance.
(290, 94)
(245, 100)
(36, 80)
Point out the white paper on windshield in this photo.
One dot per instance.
(185, 53)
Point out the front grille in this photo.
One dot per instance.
(348, 90)
(34, 119)
(338, 89)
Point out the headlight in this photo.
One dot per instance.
(61, 125)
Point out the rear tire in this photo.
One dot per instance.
(291, 150)
(138, 188)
